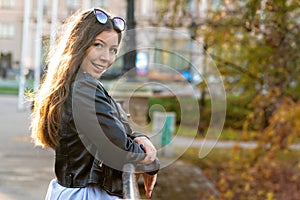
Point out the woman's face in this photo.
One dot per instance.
(101, 54)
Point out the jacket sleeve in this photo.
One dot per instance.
(99, 128)
(125, 121)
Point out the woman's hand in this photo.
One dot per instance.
(149, 149)
(149, 183)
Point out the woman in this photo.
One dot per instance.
(74, 115)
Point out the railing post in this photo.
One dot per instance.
(130, 187)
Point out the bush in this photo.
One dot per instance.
(238, 174)
(169, 104)
(236, 113)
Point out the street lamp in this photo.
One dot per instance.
(130, 41)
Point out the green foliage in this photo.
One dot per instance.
(168, 104)
(237, 111)
(230, 134)
(5, 90)
(255, 46)
(186, 113)
(256, 49)
(186, 131)
(12, 86)
(248, 44)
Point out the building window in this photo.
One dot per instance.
(7, 30)
(7, 3)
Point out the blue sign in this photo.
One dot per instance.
(142, 62)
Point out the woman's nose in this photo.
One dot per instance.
(104, 55)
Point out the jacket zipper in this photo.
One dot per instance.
(100, 164)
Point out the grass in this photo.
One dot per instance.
(186, 131)
(12, 86)
(5, 90)
(189, 131)
(230, 134)
(214, 158)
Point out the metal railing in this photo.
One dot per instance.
(130, 186)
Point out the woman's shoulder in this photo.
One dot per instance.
(83, 76)
(85, 80)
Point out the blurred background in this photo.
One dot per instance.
(254, 45)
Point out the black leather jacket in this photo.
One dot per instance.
(80, 153)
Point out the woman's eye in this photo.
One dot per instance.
(99, 45)
(114, 50)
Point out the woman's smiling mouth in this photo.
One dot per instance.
(99, 68)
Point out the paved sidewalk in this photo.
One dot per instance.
(212, 143)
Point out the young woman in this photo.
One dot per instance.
(74, 115)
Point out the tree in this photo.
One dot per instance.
(255, 46)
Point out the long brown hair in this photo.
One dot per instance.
(76, 36)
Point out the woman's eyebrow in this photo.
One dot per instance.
(100, 40)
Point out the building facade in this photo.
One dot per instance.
(12, 21)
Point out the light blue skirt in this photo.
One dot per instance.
(58, 192)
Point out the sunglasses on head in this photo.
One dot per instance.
(118, 23)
